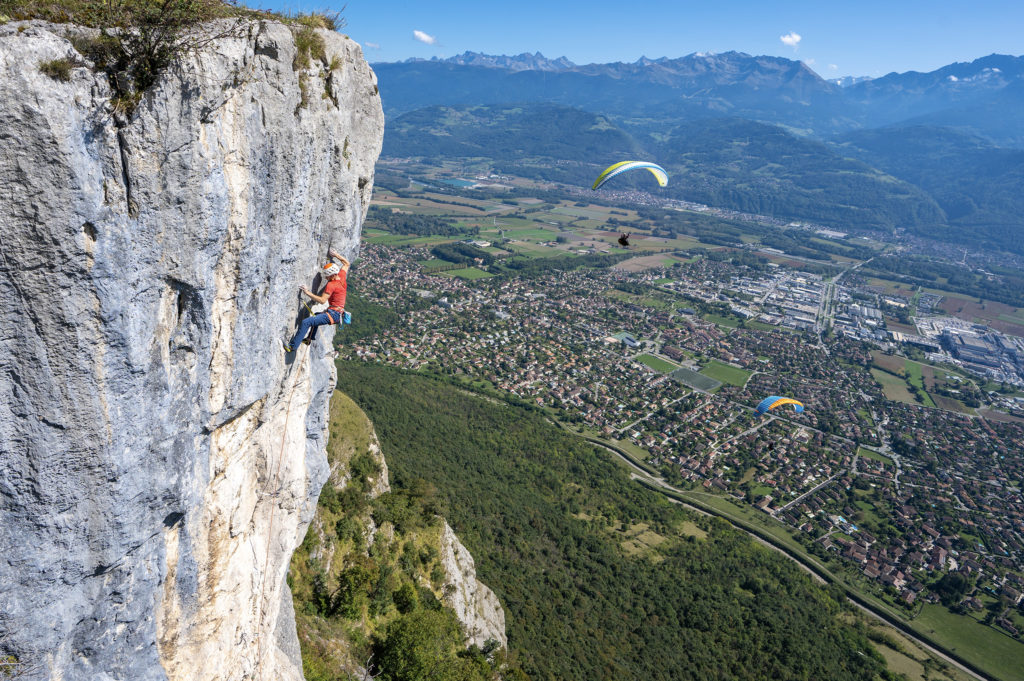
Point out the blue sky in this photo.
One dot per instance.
(868, 38)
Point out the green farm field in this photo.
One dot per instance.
(894, 387)
(915, 378)
(720, 371)
(871, 454)
(987, 648)
(695, 380)
(467, 273)
(656, 363)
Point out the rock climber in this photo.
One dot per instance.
(335, 273)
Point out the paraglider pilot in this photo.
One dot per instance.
(333, 294)
(624, 239)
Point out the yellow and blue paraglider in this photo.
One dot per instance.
(625, 166)
(773, 401)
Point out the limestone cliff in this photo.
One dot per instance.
(352, 577)
(474, 603)
(160, 456)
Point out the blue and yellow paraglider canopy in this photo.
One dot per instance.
(625, 166)
(773, 401)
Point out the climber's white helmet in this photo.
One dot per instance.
(331, 268)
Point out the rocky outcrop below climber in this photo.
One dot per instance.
(160, 456)
(476, 606)
(374, 555)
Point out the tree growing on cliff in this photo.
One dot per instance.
(423, 645)
(139, 39)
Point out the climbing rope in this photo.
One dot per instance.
(273, 509)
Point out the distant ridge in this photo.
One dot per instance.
(847, 81)
(986, 73)
(695, 66)
(980, 97)
(520, 62)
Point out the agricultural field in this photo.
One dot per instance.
(725, 373)
(915, 378)
(926, 377)
(467, 273)
(652, 302)
(894, 387)
(657, 363)
(871, 454)
(893, 325)
(999, 316)
(893, 288)
(695, 380)
(985, 646)
(728, 322)
(646, 262)
(908, 658)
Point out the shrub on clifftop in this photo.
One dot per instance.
(138, 39)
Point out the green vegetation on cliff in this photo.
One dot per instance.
(600, 577)
(376, 599)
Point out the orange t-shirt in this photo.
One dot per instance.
(335, 291)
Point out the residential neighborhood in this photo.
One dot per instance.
(671, 362)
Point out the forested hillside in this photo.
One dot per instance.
(601, 578)
(977, 184)
(731, 163)
(763, 169)
(505, 132)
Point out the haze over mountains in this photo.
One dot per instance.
(937, 152)
(732, 83)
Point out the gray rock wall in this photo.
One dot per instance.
(160, 457)
(476, 606)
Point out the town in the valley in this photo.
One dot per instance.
(904, 469)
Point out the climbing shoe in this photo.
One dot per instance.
(307, 341)
(287, 347)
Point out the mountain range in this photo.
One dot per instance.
(940, 152)
(770, 89)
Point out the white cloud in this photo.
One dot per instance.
(792, 39)
(372, 46)
(833, 67)
(424, 37)
(809, 62)
(953, 79)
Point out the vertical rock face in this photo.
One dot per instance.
(160, 456)
(476, 606)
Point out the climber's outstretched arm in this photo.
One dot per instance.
(313, 296)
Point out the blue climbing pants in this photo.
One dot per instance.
(312, 323)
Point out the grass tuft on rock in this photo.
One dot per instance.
(309, 45)
(58, 69)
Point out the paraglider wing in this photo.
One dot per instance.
(773, 401)
(625, 166)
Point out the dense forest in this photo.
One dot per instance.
(601, 578)
(505, 133)
(409, 223)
